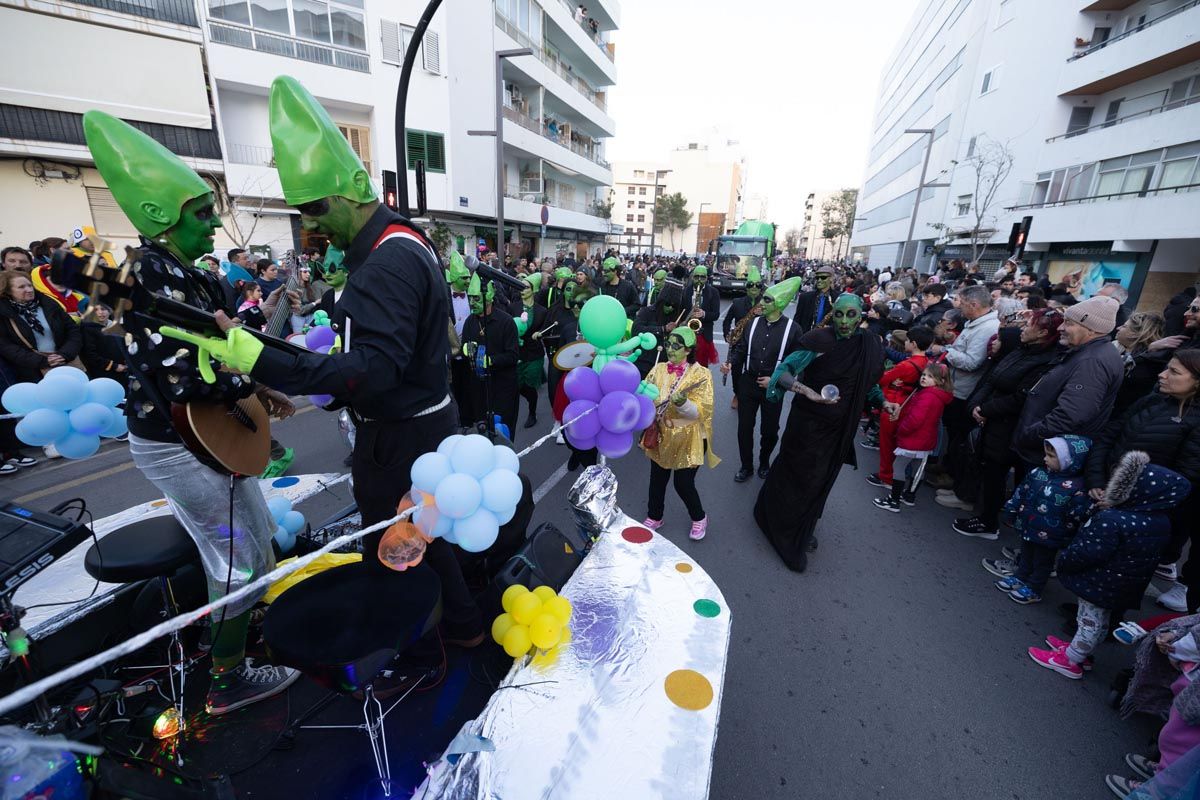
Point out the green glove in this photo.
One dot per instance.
(239, 349)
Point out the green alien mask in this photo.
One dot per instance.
(754, 287)
(847, 314)
(533, 284)
(458, 276)
(477, 298)
(700, 275)
(779, 297)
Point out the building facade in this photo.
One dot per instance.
(1095, 106)
(812, 242)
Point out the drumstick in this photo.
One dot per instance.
(548, 327)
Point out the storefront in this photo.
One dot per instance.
(1087, 266)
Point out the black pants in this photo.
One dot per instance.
(994, 486)
(384, 453)
(752, 400)
(1034, 565)
(958, 422)
(685, 487)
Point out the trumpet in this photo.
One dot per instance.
(694, 324)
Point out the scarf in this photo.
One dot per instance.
(29, 314)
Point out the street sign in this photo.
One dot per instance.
(545, 215)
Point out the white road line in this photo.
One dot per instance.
(549, 483)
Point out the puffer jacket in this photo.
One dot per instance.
(1112, 559)
(1048, 507)
(1001, 396)
(917, 428)
(1154, 426)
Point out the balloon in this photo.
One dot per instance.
(505, 517)
(105, 391)
(325, 349)
(501, 490)
(582, 427)
(603, 321)
(293, 521)
(91, 418)
(544, 631)
(279, 507)
(319, 336)
(285, 540)
(449, 443)
(506, 458)
(119, 426)
(544, 592)
(432, 523)
(560, 607)
(320, 400)
(42, 426)
(70, 374)
(582, 383)
(62, 394)
(564, 636)
(620, 376)
(77, 445)
(526, 608)
(474, 456)
(21, 398)
(429, 470)
(458, 496)
(477, 532)
(510, 595)
(517, 641)
(646, 412)
(614, 445)
(501, 626)
(402, 546)
(618, 412)
(581, 443)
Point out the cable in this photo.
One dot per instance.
(91, 526)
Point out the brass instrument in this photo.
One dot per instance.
(694, 324)
(739, 330)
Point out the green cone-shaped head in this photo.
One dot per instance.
(458, 275)
(780, 295)
(534, 279)
(753, 275)
(476, 297)
(563, 274)
(313, 158)
(150, 183)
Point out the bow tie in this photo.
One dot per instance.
(676, 369)
(460, 295)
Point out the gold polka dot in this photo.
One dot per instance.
(688, 689)
(683, 566)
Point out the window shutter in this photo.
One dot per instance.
(431, 51)
(389, 33)
(107, 217)
(436, 148)
(360, 142)
(414, 144)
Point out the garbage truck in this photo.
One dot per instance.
(752, 245)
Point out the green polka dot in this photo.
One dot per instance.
(706, 608)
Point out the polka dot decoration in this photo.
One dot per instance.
(636, 535)
(688, 689)
(706, 608)
(283, 483)
(683, 567)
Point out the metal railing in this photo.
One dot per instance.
(595, 37)
(539, 127)
(1113, 196)
(1119, 120)
(282, 45)
(255, 155)
(539, 51)
(181, 12)
(551, 199)
(1133, 30)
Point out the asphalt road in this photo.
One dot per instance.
(892, 668)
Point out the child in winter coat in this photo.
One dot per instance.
(1047, 508)
(1112, 558)
(917, 434)
(897, 384)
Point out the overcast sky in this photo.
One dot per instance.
(793, 80)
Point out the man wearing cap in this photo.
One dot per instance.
(813, 307)
(706, 306)
(614, 285)
(1076, 396)
(769, 339)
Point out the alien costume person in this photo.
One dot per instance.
(819, 437)
(491, 343)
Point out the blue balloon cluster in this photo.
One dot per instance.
(67, 410)
(288, 523)
(475, 489)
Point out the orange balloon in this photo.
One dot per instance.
(402, 546)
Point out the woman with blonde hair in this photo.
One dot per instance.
(1142, 364)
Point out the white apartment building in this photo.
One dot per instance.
(812, 243)
(1098, 102)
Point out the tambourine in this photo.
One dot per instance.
(579, 354)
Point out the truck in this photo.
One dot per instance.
(752, 245)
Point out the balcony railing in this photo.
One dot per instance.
(1191, 187)
(1133, 30)
(539, 127)
(553, 199)
(539, 50)
(259, 156)
(1120, 120)
(594, 36)
(289, 46)
(181, 12)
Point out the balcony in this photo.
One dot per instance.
(288, 46)
(533, 137)
(570, 213)
(1143, 120)
(1106, 5)
(1152, 214)
(1142, 52)
(554, 64)
(180, 12)
(593, 58)
(589, 31)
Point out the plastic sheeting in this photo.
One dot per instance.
(628, 709)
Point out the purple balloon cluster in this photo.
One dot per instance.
(605, 411)
(320, 338)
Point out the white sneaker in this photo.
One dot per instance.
(8, 468)
(951, 501)
(1168, 572)
(945, 493)
(559, 439)
(51, 451)
(1174, 598)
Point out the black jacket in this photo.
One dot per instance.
(932, 315)
(531, 349)
(626, 295)
(738, 309)
(101, 352)
(1149, 425)
(1001, 395)
(806, 309)
(651, 319)
(1141, 378)
(710, 304)
(1173, 313)
(28, 363)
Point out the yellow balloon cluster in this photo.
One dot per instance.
(531, 619)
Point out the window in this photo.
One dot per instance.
(431, 53)
(991, 81)
(639, 174)
(629, 217)
(1081, 119)
(641, 231)
(629, 204)
(641, 218)
(1114, 109)
(312, 20)
(230, 11)
(348, 28)
(963, 206)
(340, 22)
(360, 142)
(641, 190)
(107, 216)
(1007, 12)
(641, 204)
(270, 15)
(633, 190)
(427, 147)
(971, 146)
(395, 38)
(525, 15)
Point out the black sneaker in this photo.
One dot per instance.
(908, 498)
(974, 526)
(1000, 567)
(763, 472)
(887, 503)
(869, 444)
(743, 475)
(245, 685)
(1010, 553)
(529, 423)
(874, 479)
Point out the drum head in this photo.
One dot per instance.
(579, 354)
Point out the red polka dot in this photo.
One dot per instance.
(636, 535)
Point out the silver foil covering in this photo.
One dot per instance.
(593, 500)
(595, 720)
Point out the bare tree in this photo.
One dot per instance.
(791, 241)
(990, 163)
(837, 218)
(229, 207)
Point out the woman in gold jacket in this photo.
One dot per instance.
(685, 391)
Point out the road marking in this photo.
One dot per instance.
(549, 483)
(61, 487)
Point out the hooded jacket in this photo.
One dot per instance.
(917, 428)
(1048, 507)
(1112, 558)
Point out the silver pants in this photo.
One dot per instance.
(199, 498)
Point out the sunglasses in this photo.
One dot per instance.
(316, 208)
(754, 285)
(674, 344)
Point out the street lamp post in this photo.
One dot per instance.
(921, 187)
(654, 208)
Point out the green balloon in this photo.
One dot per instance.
(602, 321)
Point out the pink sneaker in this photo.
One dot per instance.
(652, 524)
(1062, 644)
(1056, 660)
(698, 530)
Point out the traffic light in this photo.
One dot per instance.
(389, 190)
(1019, 236)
